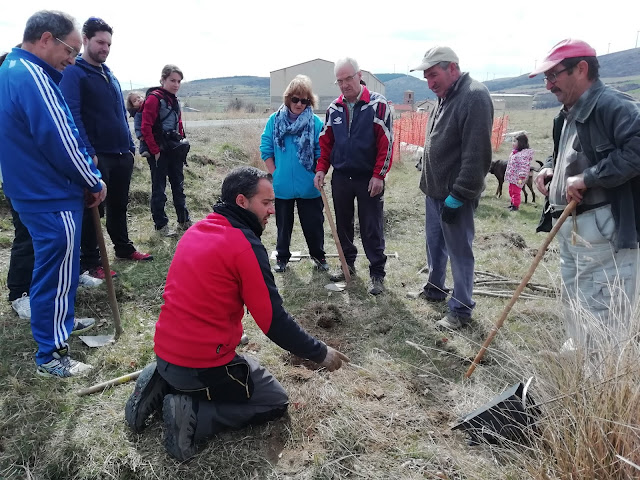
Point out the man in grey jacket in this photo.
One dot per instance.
(457, 156)
(596, 161)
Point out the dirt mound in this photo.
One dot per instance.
(500, 240)
(323, 315)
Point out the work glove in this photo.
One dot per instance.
(450, 209)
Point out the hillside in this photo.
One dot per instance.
(620, 70)
(395, 88)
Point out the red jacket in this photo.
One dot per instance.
(220, 266)
(365, 147)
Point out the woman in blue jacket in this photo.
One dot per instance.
(290, 149)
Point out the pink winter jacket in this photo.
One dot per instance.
(518, 167)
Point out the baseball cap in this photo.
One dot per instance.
(568, 48)
(436, 55)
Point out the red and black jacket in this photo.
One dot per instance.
(361, 147)
(219, 266)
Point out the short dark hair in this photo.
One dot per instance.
(523, 142)
(592, 62)
(95, 25)
(242, 180)
(58, 24)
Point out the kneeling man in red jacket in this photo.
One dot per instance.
(199, 381)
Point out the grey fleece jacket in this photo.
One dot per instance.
(457, 150)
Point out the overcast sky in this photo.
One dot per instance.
(209, 38)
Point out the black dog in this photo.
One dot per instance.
(499, 167)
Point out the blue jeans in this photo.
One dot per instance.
(450, 241)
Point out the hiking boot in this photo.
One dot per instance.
(453, 322)
(81, 325)
(339, 275)
(99, 272)
(280, 267)
(166, 232)
(62, 366)
(321, 265)
(138, 257)
(184, 226)
(513, 208)
(146, 398)
(22, 306)
(377, 286)
(180, 422)
(86, 280)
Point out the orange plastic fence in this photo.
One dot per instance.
(411, 128)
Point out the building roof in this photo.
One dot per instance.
(326, 61)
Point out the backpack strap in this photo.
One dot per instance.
(159, 94)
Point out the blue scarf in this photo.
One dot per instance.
(303, 127)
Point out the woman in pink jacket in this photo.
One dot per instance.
(518, 169)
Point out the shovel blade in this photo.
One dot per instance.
(95, 341)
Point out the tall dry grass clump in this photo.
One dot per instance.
(590, 399)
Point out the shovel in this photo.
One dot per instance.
(101, 340)
(343, 261)
(541, 251)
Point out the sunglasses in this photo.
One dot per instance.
(304, 101)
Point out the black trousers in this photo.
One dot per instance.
(168, 165)
(268, 400)
(346, 189)
(116, 172)
(311, 219)
(22, 259)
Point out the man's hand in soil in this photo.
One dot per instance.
(333, 360)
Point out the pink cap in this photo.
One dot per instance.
(569, 48)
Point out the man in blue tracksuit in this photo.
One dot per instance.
(95, 100)
(47, 175)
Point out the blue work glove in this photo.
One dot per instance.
(450, 209)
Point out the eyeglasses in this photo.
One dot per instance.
(304, 101)
(553, 77)
(70, 50)
(346, 79)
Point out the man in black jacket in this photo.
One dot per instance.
(95, 99)
(596, 161)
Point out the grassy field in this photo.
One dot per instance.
(386, 415)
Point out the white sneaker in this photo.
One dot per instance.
(22, 306)
(88, 281)
(62, 367)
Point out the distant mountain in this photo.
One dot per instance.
(618, 65)
(385, 77)
(399, 83)
(205, 86)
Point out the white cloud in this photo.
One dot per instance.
(212, 39)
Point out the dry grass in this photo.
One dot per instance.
(387, 415)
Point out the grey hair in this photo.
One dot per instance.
(445, 65)
(58, 24)
(344, 61)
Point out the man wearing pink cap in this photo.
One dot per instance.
(596, 160)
